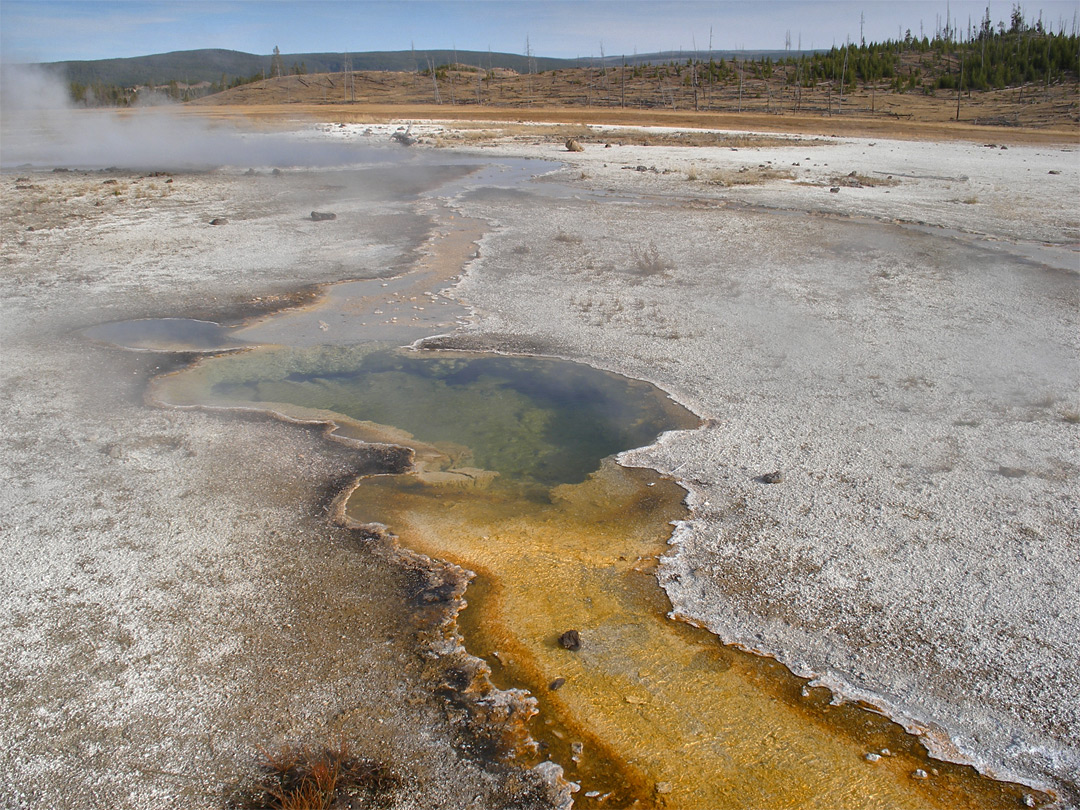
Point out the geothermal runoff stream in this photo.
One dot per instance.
(515, 476)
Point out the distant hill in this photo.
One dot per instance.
(208, 65)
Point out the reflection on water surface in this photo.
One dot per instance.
(166, 335)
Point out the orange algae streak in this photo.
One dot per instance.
(648, 710)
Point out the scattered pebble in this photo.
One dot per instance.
(872, 757)
(919, 773)
(555, 684)
(571, 640)
(219, 221)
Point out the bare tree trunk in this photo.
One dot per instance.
(959, 85)
(434, 79)
(843, 81)
(740, 85)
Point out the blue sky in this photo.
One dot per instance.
(53, 30)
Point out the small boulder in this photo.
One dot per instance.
(219, 221)
(571, 640)
(774, 477)
(322, 216)
(573, 146)
(557, 683)
(835, 190)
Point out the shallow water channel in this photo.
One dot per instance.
(514, 477)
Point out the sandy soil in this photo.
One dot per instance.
(168, 574)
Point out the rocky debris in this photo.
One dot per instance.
(403, 137)
(835, 190)
(219, 221)
(557, 683)
(322, 216)
(573, 146)
(559, 790)
(872, 757)
(774, 477)
(1054, 171)
(571, 640)
(919, 773)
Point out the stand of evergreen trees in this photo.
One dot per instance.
(985, 58)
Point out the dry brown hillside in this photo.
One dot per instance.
(590, 94)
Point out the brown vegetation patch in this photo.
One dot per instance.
(748, 176)
(298, 778)
(1036, 112)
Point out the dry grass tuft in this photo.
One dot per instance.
(650, 263)
(298, 779)
(748, 176)
(856, 180)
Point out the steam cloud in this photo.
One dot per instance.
(40, 127)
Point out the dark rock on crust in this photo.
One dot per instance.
(571, 640)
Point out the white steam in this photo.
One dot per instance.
(43, 129)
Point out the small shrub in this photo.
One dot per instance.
(298, 779)
(650, 263)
